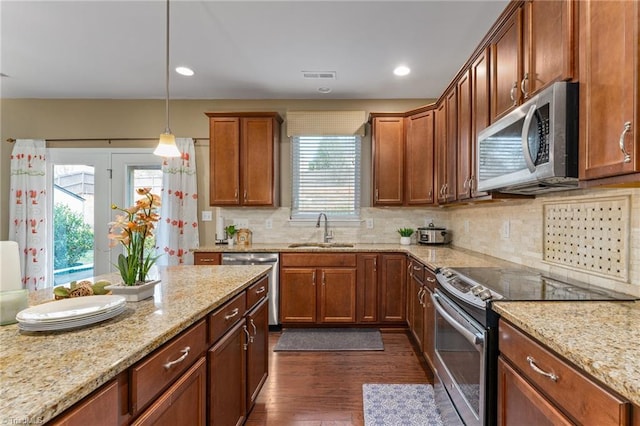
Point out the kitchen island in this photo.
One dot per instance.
(44, 373)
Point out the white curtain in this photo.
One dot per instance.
(178, 225)
(28, 210)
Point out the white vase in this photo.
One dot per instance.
(230, 242)
(134, 293)
(405, 241)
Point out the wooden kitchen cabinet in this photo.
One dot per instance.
(392, 288)
(244, 158)
(446, 147)
(318, 288)
(533, 48)
(480, 111)
(367, 288)
(464, 135)
(429, 336)
(419, 161)
(100, 409)
(533, 381)
(415, 314)
(207, 258)
(388, 160)
(257, 351)
(609, 92)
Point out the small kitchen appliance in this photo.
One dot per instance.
(433, 235)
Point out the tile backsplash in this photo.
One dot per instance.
(529, 232)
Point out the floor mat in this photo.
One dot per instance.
(330, 339)
(395, 405)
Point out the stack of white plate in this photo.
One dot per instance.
(70, 313)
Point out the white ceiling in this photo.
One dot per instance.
(238, 49)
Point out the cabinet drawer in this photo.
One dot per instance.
(429, 279)
(160, 369)
(256, 292)
(226, 316)
(580, 397)
(206, 258)
(417, 270)
(318, 259)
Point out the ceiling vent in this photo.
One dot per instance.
(319, 75)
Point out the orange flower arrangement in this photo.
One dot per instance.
(132, 229)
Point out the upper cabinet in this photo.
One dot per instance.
(419, 158)
(465, 141)
(446, 147)
(533, 48)
(403, 158)
(609, 91)
(388, 160)
(479, 110)
(244, 158)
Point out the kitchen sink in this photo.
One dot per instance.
(320, 245)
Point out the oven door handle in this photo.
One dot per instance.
(473, 338)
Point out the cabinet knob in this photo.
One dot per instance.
(626, 129)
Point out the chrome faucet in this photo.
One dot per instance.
(327, 236)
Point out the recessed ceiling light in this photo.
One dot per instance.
(401, 70)
(324, 89)
(185, 71)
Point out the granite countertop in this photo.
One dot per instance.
(44, 373)
(601, 338)
(434, 256)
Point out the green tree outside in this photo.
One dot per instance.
(72, 237)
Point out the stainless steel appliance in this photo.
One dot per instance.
(466, 343)
(433, 235)
(534, 148)
(272, 259)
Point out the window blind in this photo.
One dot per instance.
(325, 176)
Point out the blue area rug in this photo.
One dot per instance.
(399, 405)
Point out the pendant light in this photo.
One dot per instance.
(167, 144)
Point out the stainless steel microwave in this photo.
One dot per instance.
(533, 149)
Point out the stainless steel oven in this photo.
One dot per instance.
(460, 356)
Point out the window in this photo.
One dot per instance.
(326, 176)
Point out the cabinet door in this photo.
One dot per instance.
(227, 378)
(464, 137)
(298, 295)
(609, 81)
(367, 288)
(441, 150)
(548, 44)
(416, 313)
(419, 159)
(388, 161)
(257, 351)
(337, 297)
(506, 66)
(257, 161)
(429, 320)
(451, 148)
(183, 403)
(224, 161)
(480, 110)
(393, 296)
(518, 400)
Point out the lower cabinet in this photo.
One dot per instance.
(238, 365)
(318, 288)
(100, 409)
(536, 384)
(392, 288)
(421, 312)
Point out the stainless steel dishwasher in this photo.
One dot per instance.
(261, 259)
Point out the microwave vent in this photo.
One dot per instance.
(319, 75)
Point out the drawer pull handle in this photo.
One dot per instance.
(185, 354)
(417, 268)
(245, 346)
(255, 330)
(260, 290)
(431, 280)
(207, 260)
(534, 367)
(233, 313)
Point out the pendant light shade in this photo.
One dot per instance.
(167, 144)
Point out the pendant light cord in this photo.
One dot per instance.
(167, 130)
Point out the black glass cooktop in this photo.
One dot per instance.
(527, 284)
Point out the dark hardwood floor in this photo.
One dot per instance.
(325, 388)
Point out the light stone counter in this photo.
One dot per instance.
(601, 338)
(434, 256)
(42, 374)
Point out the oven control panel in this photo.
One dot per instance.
(465, 288)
